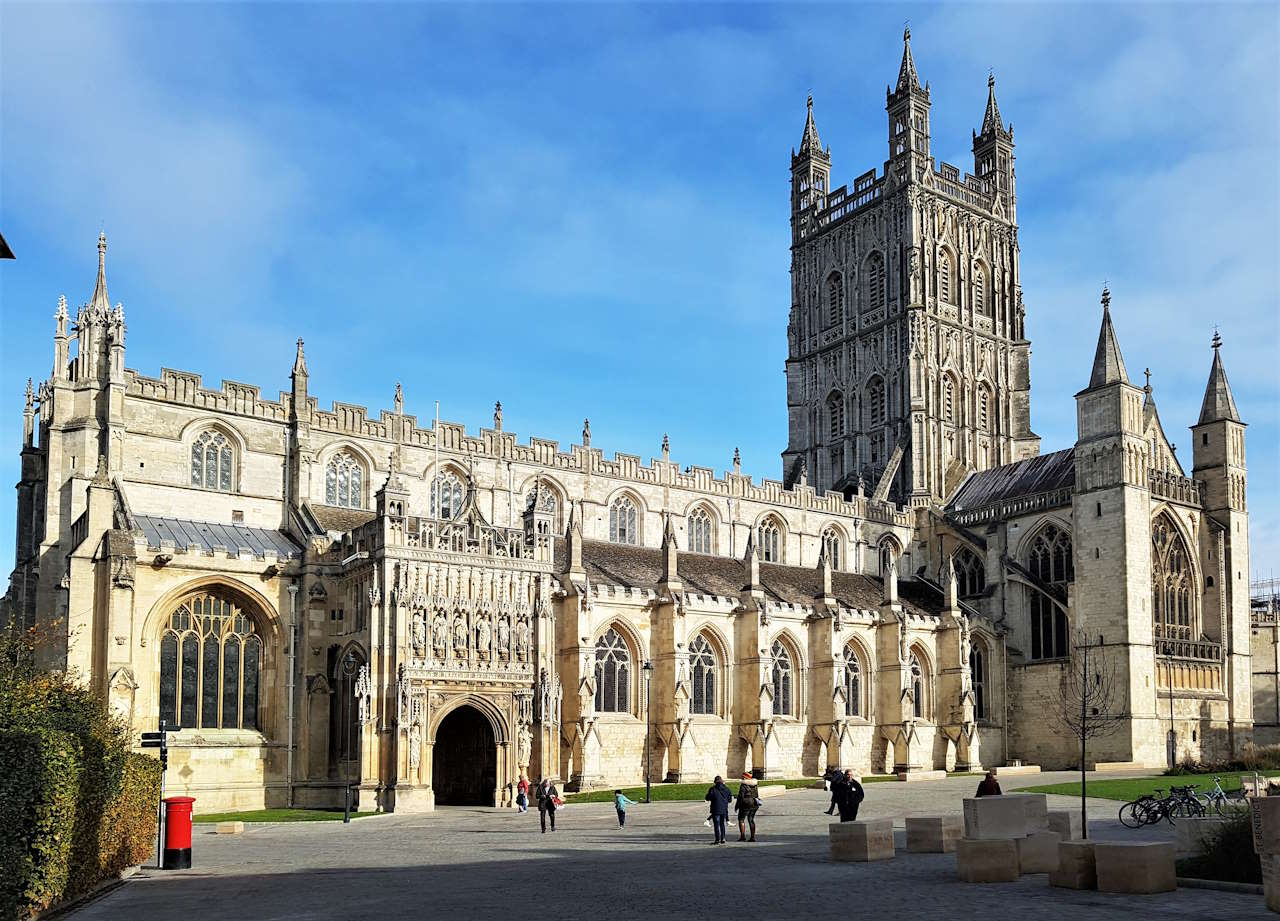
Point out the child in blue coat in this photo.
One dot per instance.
(620, 802)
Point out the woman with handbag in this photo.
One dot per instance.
(522, 793)
(548, 800)
(748, 803)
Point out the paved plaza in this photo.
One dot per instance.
(486, 863)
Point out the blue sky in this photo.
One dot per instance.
(583, 210)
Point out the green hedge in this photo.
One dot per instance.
(76, 806)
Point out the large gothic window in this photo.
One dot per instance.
(699, 527)
(447, 493)
(875, 403)
(613, 674)
(210, 665)
(212, 461)
(833, 546)
(978, 681)
(835, 415)
(704, 670)
(835, 299)
(852, 682)
(1049, 560)
(783, 679)
(875, 282)
(1172, 609)
(769, 536)
(971, 576)
(623, 521)
(344, 481)
(945, 280)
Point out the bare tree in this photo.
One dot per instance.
(1087, 706)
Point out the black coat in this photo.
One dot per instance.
(546, 798)
(719, 796)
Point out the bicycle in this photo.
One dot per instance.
(1223, 803)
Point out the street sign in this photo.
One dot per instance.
(153, 743)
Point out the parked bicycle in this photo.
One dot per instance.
(1223, 803)
(1149, 808)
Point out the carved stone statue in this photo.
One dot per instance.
(524, 744)
(418, 634)
(504, 637)
(522, 641)
(544, 695)
(459, 635)
(484, 635)
(415, 746)
(364, 694)
(440, 635)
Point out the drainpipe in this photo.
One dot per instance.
(293, 645)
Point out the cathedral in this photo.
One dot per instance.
(324, 599)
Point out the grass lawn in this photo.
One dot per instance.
(275, 815)
(696, 791)
(1129, 788)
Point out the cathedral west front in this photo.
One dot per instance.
(323, 596)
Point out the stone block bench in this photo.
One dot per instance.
(987, 860)
(228, 828)
(772, 789)
(1076, 869)
(995, 817)
(1135, 867)
(1038, 852)
(933, 834)
(1035, 809)
(1065, 822)
(867, 839)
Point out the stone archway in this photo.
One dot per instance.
(464, 759)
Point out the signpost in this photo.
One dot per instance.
(160, 740)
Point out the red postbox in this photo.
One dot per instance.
(177, 832)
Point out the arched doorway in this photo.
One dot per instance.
(464, 767)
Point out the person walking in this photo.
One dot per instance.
(621, 802)
(719, 796)
(748, 803)
(851, 796)
(522, 793)
(835, 779)
(989, 786)
(547, 797)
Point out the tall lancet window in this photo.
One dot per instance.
(344, 481)
(212, 462)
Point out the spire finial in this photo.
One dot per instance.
(906, 31)
(991, 79)
(666, 444)
(100, 304)
(497, 416)
(1147, 372)
(300, 360)
(586, 433)
(31, 394)
(1217, 339)
(1106, 297)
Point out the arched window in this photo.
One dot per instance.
(782, 672)
(210, 665)
(1049, 560)
(344, 481)
(622, 521)
(971, 576)
(704, 668)
(1172, 607)
(852, 682)
(613, 674)
(698, 524)
(948, 399)
(984, 408)
(769, 537)
(835, 299)
(978, 681)
(874, 409)
(835, 415)
(213, 461)
(875, 282)
(979, 290)
(832, 545)
(944, 277)
(447, 493)
(919, 687)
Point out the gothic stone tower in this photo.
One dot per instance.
(907, 363)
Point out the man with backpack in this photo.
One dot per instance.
(719, 796)
(851, 796)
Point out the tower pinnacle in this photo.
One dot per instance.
(1108, 363)
(1218, 401)
(100, 304)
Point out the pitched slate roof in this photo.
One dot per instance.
(641, 567)
(1042, 473)
(234, 538)
(332, 518)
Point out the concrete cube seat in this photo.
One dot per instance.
(868, 839)
(771, 789)
(1038, 852)
(995, 817)
(1065, 822)
(987, 860)
(1076, 868)
(1135, 867)
(228, 828)
(1036, 810)
(933, 834)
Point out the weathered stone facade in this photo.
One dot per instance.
(319, 596)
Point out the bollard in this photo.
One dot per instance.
(177, 832)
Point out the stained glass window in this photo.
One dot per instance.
(1051, 563)
(782, 679)
(613, 674)
(852, 682)
(209, 665)
(833, 546)
(344, 481)
(622, 522)
(212, 461)
(769, 535)
(704, 668)
(700, 534)
(447, 493)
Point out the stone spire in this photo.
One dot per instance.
(300, 361)
(751, 563)
(28, 416)
(1108, 364)
(737, 461)
(670, 554)
(573, 543)
(497, 416)
(991, 120)
(1218, 402)
(810, 143)
(824, 571)
(100, 304)
(908, 79)
(586, 433)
